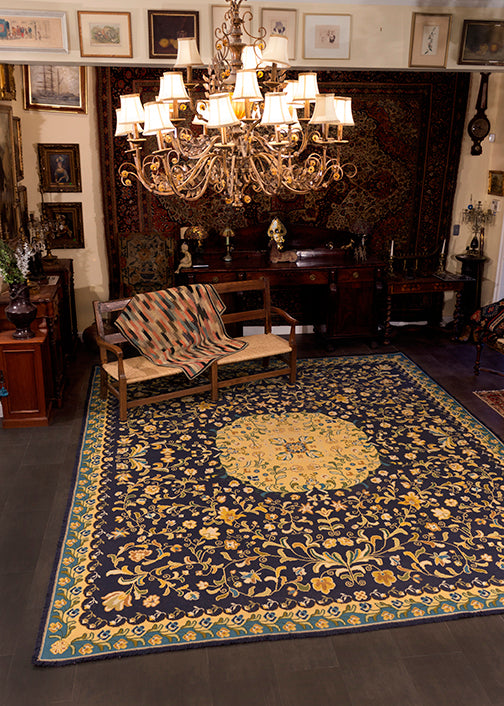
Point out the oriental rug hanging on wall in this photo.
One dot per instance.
(363, 496)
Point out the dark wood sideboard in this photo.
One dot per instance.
(343, 297)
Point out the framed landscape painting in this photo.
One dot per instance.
(55, 87)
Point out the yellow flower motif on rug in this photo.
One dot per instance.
(296, 452)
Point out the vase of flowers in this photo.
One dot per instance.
(14, 267)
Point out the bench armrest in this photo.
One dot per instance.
(116, 350)
(290, 320)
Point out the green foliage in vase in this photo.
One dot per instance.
(14, 264)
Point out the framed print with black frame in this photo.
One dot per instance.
(482, 43)
(59, 167)
(166, 26)
(430, 35)
(55, 87)
(68, 231)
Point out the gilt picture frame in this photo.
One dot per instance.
(59, 167)
(482, 43)
(55, 87)
(7, 83)
(283, 22)
(165, 26)
(7, 173)
(18, 148)
(26, 30)
(105, 34)
(496, 182)
(69, 231)
(326, 36)
(430, 36)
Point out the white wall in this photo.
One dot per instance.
(380, 39)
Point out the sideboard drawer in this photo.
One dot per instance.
(281, 278)
(356, 274)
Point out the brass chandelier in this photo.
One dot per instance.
(228, 135)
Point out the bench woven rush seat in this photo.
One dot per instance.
(211, 350)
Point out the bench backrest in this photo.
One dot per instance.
(106, 312)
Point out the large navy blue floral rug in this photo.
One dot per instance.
(363, 496)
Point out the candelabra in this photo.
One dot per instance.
(477, 217)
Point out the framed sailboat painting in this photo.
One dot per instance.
(55, 87)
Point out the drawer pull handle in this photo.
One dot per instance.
(215, 279)
(355, 275)
(313, 277)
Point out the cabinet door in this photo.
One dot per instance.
(354, 311)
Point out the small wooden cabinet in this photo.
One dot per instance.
(25, 367)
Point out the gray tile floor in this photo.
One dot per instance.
(458, 662)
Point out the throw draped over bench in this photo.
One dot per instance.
(181, 331)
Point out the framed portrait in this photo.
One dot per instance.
(18, 149)
(7, 83)
(482, 42)
(218, 12)
(55, 87)
(166, 26)
(7, 173)
(59, 167)
(68, 231)
(326, 36)
(105, 34)
(430, 35)
(25, 30)
(496, 183)
(281, 22)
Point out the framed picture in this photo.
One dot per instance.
(7, 174)
(166, 26)
(326, 37)
(496, 183)
(59, 167)
(7, 83)
(281, 22)
(430, 35)
(55, 87)
(482, 42)
(22, 210)
(18, 149)
(105, 34)
(24, 30)
(218, 12)
(68, 231)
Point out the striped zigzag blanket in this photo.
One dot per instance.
(180, 326)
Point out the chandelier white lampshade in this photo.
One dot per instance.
(276, 51)
(157, 118)
(251, 56)
(324, 112)
(172, 88)
(244, 94)
(307, 87)
(344, 110)
(188, 52)
(276, 110)
(132, 110)
(247, 86)
(220, 111)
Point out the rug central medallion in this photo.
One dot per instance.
(296, 452)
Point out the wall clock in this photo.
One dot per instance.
(479, 125)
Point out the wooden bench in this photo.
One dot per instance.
(118, 372)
